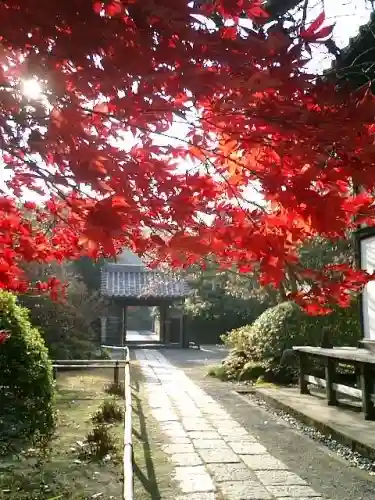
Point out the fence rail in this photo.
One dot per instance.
(128, 441)
(90, 363)
(128, 485)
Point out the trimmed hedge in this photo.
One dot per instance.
(281, 327)
(26, 379)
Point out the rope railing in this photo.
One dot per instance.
(89, 363)
(128, 441)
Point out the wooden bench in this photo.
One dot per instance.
(362, 359)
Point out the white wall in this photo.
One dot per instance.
(368, 298)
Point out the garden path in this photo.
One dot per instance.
(215, 457)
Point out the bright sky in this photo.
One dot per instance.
(349, 15)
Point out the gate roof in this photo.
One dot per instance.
(137, 281)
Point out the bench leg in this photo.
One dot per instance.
(366, 387)
(302, 372)
(330, 375)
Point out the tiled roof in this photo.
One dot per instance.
(127, 281)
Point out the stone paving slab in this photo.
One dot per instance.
(181, 440)
(178, 448)
(264, 462)
(274, 477)
(233, 433)
(186, 459)
(247, 447)
(244, 490)
(300, 498)
(230, 472)
(210, 444)
(204, 435)
(194, 479)
(214, 456)
(198, 496)
(294, 491)
(194, 424)
(224, 456)
(173, 429)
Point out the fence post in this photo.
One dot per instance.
(116, 373)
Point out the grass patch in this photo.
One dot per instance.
(262, 383)
(249, 372)
(108, 412)
(217, 371)
(60, 474)
(68, 474)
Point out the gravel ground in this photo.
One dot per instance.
(354, 458)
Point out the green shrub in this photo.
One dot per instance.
(108, 412)
(234, 363)
(277, 329)
(115, 389)
(27, 388)
(99, 444)
(218, 371)
(280, 328)
(251, 371)
(237, 338)
(103, 353)
(286, 325)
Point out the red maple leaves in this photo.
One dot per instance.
(4, 335)
(315, 33)
(101, 151)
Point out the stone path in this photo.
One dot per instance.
(214, 456)
(141, 336)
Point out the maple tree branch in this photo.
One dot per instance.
(169, 136)
(304, 13)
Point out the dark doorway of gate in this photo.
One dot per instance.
(141, 324)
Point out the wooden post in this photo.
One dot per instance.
(330, 375)
(163, 322)
(302, 372)
(103, 330)
(54, 372)
(116, 373)
(123, 325)
(366, 386)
